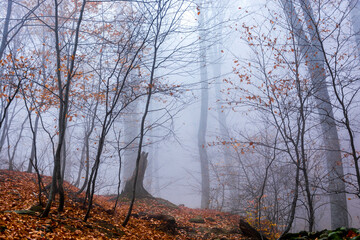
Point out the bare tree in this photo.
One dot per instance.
(63, 94)
(316, 67)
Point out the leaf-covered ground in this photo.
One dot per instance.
(152, 218)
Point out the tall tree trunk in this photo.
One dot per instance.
(230, 180)
(81, 167)
(355, 18)
(6, 30)
(311, 48)
(204, 161)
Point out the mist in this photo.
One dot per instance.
(246, 107)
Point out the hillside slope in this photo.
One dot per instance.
(151, 219)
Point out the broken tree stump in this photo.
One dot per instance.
(140, 191)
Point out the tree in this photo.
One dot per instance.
(140, 191)
(204, 161)
(8, 35)
(63, 94)
(316, 67)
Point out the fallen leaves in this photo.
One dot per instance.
(152, 218)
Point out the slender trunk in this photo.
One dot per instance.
(204, 161)
(302, 96)
(4, 42)
(230, 179)
(4, 130)
(81, 167)
(63, 160)
(63, 111)
(87, 165)
(92, 181)
(12, 155)
(119, 175)
(294, 201)
(6, 30)
(33, 146)
(263, 186)
(33, 161)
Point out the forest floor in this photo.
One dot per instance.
(151, 218)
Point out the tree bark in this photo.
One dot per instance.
(140, 191)
(6, 30)
(355, 18)
(204, 161)
(338, 204)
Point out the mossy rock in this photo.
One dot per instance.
(197, 219)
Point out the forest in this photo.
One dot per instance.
(160, 115)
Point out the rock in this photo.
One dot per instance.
(197, 219)
(169, 223)
(248, 231)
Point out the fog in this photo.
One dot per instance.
(249, 107)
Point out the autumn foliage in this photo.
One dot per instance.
(151, 218)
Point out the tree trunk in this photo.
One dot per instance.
(355, 18)
(87, 162)
(338, 204)
(140, 191)
(33, 146)
(63, 159)
(204, 161)
(131, 130)
(6, 30)
(81, 167)
(64, 92)
(4, 130)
